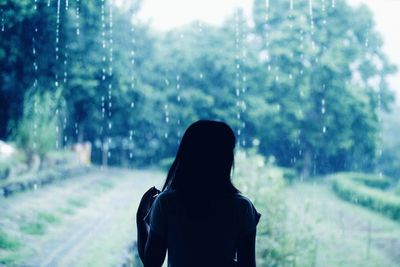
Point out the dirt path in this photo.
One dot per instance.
(102, 224)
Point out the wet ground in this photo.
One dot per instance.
(84, 221)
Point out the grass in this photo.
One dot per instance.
(78, 202)
(33, 228)
(304, 224)
(348, 187)
(9, 261)
(48, 218)
(7, 242)
(107, 184)
(42, 216)
(37, 224)
(111, 245)
(14, 258)
(102, 186)
(345, 234)
(67, 210)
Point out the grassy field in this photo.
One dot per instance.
(305, 224)
(91, 222)
(88, 221)
(344, 234)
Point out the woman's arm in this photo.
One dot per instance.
(155, 250)
(142, 227)
(246, 251)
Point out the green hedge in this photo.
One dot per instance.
(354, 189)
(370, 180)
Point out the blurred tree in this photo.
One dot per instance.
(197, 78)
(326, 75)
(306, 82)
(105, 95)
(35, 133)
(389, 162)
(28, 37)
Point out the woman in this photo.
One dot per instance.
(200, 217)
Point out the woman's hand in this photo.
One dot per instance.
(142, 227)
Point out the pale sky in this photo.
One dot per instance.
(167, 14)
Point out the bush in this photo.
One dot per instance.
(264, 184)
(356, 191)
(35, 133)
(371, 180)
(289, 174)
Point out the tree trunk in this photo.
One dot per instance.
(307, 162)
(104, 161)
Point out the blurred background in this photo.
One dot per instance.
(96, 95)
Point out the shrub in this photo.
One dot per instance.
(264, 183)
(289, 174)
(356, 191)
(371, 180)
(35, 133)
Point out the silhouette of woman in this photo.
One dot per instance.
(200, 217)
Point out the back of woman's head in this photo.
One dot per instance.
(204, 159)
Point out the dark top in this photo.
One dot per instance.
(209, 240)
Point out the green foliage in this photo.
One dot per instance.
(78, 202)
(278, 244)
(106, 184)
(47, 217)
(36, 132)
(311, 69)
(7, 242)
(370, 180)
(17, 43)
(37, 224)
(351, 188)
(389, 161)
(138, 93)
(290, 175)
(67, 210)
(33, 228)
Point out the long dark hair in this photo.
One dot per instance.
(204, 160)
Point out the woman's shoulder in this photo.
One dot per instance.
(242, 201)
(248, 210)
(240, 197)
(166, 195)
